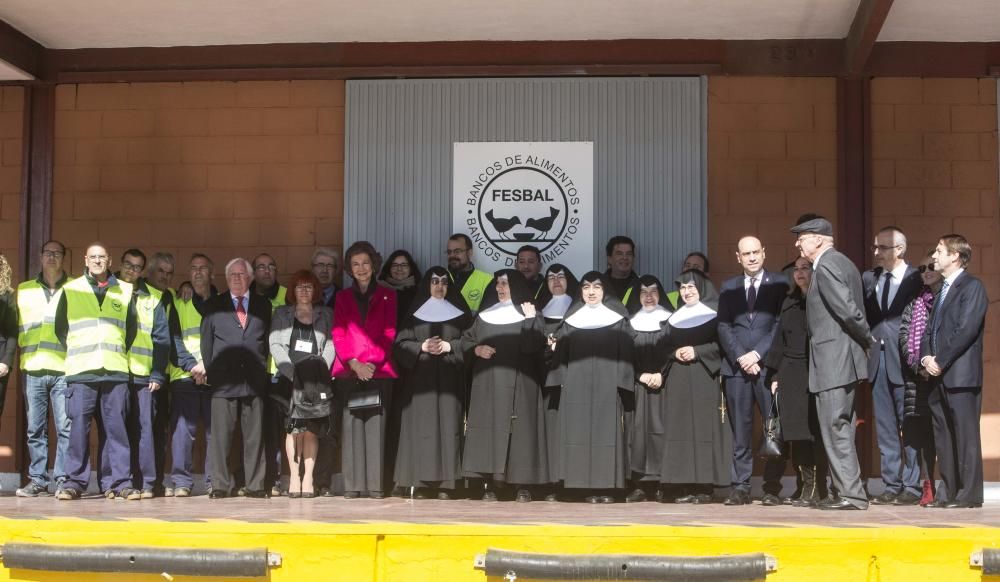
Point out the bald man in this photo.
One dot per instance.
(749, 305)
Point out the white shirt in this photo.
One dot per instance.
(756, 282)
(816, 261)
(897, 277)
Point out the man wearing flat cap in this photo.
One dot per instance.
(839, 338)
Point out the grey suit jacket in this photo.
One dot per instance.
(885, 326)
(282, 323)
(838, 331)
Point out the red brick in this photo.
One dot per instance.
(10, 179)
(923, 174)
(12, 152)
(65, 152)
(922, 118)
(951, 202)
(779, 90)
(262, 149)
(987, 91)
(288, 177)
(785, 117)
(772, 228)
(330, 177)
(897, 202)
(62, 206)
(883, 117)
(122, 233)
(724, 230)
(733, 117)
(262, 93)
(718, 146)
(757, 145)
(894, 90)
(156, 95)
(65, 97)
(883, 173)
(988, 146)
(260, 205)
(76, 178)
(951, 146)
(825, 117)
(207, 205)
(103, 96)
(180, 177)
(152, 150)
(78, 124)
(98, 205)
(179, 232)
(12, 209)
(12, 99)
(297, 231)
(182, 122)
(232, 233)
(895, 145)
(331, 120)
(127, 123)
(316, 148)
(316, 204)
(973, 118)
(989, 261)
(11, 123)
(208, 94)
(977, 230)
(208, 150)
(317, 93)
(974, 174)
(826, 174)
(951, 90)
(74, 233)
(235, 121)
(923, 231)
(133, 178)
(161, 206)
(988, 202)
(822, 201)
(101, 152)
(288, 121)
(720, 88)
(329, 232)
(812, 145)
(756, 202)
(234, 178)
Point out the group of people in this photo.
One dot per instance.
(520, 384)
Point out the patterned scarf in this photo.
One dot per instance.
(918, 323)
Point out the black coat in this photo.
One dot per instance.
(738, 333)
(8, 339)
(235, 358)
(885, 326)
(954, 336)
(788, 363)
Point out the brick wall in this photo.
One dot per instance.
(11, 112)
(935, 171)
(772, 156)
(228, 169)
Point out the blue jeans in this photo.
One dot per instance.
(38, 391)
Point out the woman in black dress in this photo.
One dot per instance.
(788, 369)
(644, 419)
(560, 288)
(697, 447)
(594, 356)
(505, 437)
(432, 387)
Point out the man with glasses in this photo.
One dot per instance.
(470, 281)
(93, 319)
(191, 398)
(43, 369)
(839, 338)
(889, 287)
(327, 268)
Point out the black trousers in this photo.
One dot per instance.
(249, 412)
(955, 415)
(742, 392)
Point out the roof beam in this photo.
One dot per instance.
(860, 41)
(20, 50)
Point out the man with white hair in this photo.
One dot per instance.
(234, 351)
(889, 288)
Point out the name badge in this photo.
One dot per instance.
(303, 346)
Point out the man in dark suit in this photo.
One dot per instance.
(952, 353)
(889, 288)
(234, 350)
(749, 305)
(839, 338)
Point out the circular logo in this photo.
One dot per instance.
(522, 205)
(116, 305)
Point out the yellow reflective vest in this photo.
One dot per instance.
(36, 335)
(140, 355)
(474, 288)
(95, 338)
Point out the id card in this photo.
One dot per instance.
(303, 346)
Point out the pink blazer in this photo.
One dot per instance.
(371, 342)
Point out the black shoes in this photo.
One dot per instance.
(737, 497)
(884, 499)
(770, 500)
(523, 496)
(258, 494)
(906, 498)
(443, 496)
(489, 496)
(376, 495)
(352, 494)
(600, 499)
(217, 494)
(839, 504)
(698, 499)
(962, 505)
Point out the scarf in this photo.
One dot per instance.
(918, 323)
(399, 284)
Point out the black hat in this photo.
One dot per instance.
(816, 226)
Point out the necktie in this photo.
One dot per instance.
(885, 291)
(241, 312)
(751, 297)
(937, 311)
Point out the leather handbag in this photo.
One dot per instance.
(361, 397)
(772, 445)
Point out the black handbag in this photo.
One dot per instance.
(360, 396)
(772, 445)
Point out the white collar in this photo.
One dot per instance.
(688, 316)
(593, 317)
(557, 306)
(435, 310)
(649, 320)
(502, 313)
(899, 272)
(821, 253)
(950, 279)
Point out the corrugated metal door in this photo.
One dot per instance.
(650, 168)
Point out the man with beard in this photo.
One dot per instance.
(470, 281)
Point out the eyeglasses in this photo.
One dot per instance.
(399, 266)
(883, 248)
(131, 266)
(324, 266)
(263, 268)
(53, 254)
(97, 258)
(924, 268)
(455, 252)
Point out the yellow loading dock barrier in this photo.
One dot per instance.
(385, 551)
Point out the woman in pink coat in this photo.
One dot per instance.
(364, 327)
